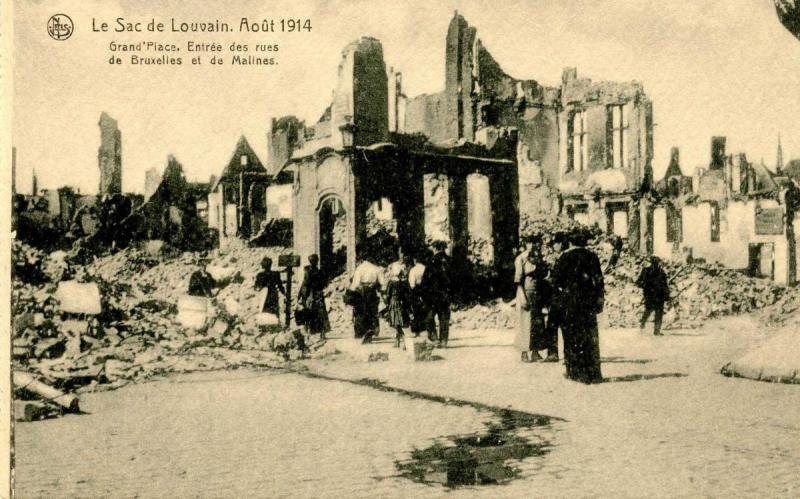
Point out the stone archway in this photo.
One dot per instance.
(332, 237)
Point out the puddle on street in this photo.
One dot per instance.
(488, 458)
(491, 457)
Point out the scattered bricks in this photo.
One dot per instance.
(217, 329)
(378, 357)
(324, 349)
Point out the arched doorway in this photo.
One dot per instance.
(332, 235)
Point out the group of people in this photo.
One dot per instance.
(566, 293)
(416, 290)
(563, 292)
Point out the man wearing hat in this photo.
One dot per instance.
(580, 294)
(655, 288)
(436, 285)
(201, 283)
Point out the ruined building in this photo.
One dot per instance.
(237, 203)
(109, 156)
(464, 165)
(171, 212)
(732, 212)
(674, 183)
(583, 149)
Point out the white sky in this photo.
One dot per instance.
(712, 67)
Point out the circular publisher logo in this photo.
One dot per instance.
(60, 27)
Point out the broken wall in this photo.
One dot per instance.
(316, 180)
(109, 156)
(427, 114)
(615, 131)
(361, 96)
(279, 201)
(736, 233)
(537, 163)
(285, 136)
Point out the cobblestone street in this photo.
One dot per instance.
(665, 424)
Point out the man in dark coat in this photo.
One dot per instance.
(436, 286)
(559, 244)
(579, 288)
(311, 298)
(655, 288)
(201, 283)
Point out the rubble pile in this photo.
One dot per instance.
(699, 291)
(784, 312)
(136, 335)
(495, 315)
(339, 314)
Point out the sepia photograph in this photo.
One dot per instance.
(451, 248)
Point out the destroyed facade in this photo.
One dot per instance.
(732, 212)
(471, 165)
(465, 165)
(237, 203)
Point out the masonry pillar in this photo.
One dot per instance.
(504, 195)
(479, 216)
(459, 232)
(357, 206)
(646, 226)
(792, 227)
(634, 225)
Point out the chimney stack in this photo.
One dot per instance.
(717, 153)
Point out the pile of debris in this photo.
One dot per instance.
(784, 312)
(124, 327)
(699, 291)
(339, 314)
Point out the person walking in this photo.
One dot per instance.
(655, 288)
(436, 285)
(311, 298)
(530, 276)
(398, 297)
(578, 282)
(271, 281)
(367, 280)
(419, 312)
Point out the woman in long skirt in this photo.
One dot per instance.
(530, 275)
(397, 298)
